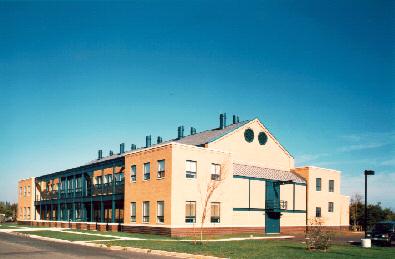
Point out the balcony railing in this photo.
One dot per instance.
(107, 188)
(276, 205)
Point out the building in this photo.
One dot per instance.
(238, 176)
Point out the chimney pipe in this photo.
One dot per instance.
(122, 148)
(221, 121)
(133, 147)
(159, 140)
(180, 132)
(224, 120)
(193, 131)
(238, 119)
(148, 141)
(234, 119)
(110, 153)
(100, 154)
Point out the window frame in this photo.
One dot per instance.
(318, 187)
(160, 218)
(147, 176)
(188, 173)
(216, 176)
(215, 219)
(331, 206)
(190, 219)
(133, 173)
(331, 186)
(318, 212)
(133, 215)
(146, 217)
(161, 173)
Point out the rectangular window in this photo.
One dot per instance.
(160, 211)
(133, 173)
(20, 190)
(147, 175)
(190, 212)
(215, 212)
(24, 191)
(318, 212)
(146, 211)
(132, 212)
(215, 172)
(28, 190)
(190, 169)
(318, 184)
(28, 212)
(161, 168)
(118, 177)
(331, 185)
(330, 206)
(108, 178)
(99, 180)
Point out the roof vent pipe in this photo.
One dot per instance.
(133, 147)
(99, 154)
(224, 120)
(234, 119)
(110, 153)
(180, 132)
(238, 119)
(193, 131)
(148, 141)
(221, 121)
(159, 140)
(122, 148)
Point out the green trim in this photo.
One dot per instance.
(262, 179)
(262, 209)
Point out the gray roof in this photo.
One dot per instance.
(266, 173)
(198, 139)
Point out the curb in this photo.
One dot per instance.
(119, 248)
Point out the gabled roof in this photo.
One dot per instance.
(266, 173)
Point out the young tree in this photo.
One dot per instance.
(209, 188)
(355, 205)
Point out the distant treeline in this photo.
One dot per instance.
(8, 208)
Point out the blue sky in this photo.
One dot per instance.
(78, 77)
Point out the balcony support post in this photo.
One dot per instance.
(101, 211)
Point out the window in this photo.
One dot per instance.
(318, 212)
(24, 191)
(146, 211)
(190, 169)
(147, 171)
(160, 211)
(215, 212)
(24, 212)
(318, 184)
(99, 180)
(133, 173)
(28, 190)
(215, 172)
(190, 212)
(20, 190)
(331, 185)
(330, 206)
(132, 212)
(28, 212)
(118, 177)
(161, 168)
(108, 178)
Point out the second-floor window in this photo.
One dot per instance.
(108, 178)
(28, 190)
(215, 212)
(132, 212)
(133, 173)
(20, 190)
(215, 172)
(161, 169)
(318, 184)
(146, 211)
(331, 185)
(24, 191)
(190, 170)
(147, 175)
(99, 180)
(118, 177)
(190, 212)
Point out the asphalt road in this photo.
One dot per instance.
(12, 246)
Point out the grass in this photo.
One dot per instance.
(259, 249)
(66, 236)
(9, 226)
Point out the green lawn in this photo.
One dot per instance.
(123, 234)
(259, 249)
(9, 226)
(66, 236)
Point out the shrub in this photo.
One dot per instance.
(317, 237)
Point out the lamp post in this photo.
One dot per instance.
(367, 172)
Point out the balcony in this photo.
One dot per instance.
(107, 188)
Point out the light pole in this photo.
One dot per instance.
(367, 172)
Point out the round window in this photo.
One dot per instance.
(249, 135)
(262, 138)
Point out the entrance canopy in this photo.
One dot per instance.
(266, 173)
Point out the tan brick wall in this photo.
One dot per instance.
(26, 199)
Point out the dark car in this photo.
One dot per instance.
(383, 232)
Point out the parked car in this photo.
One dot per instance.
(383, 232)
